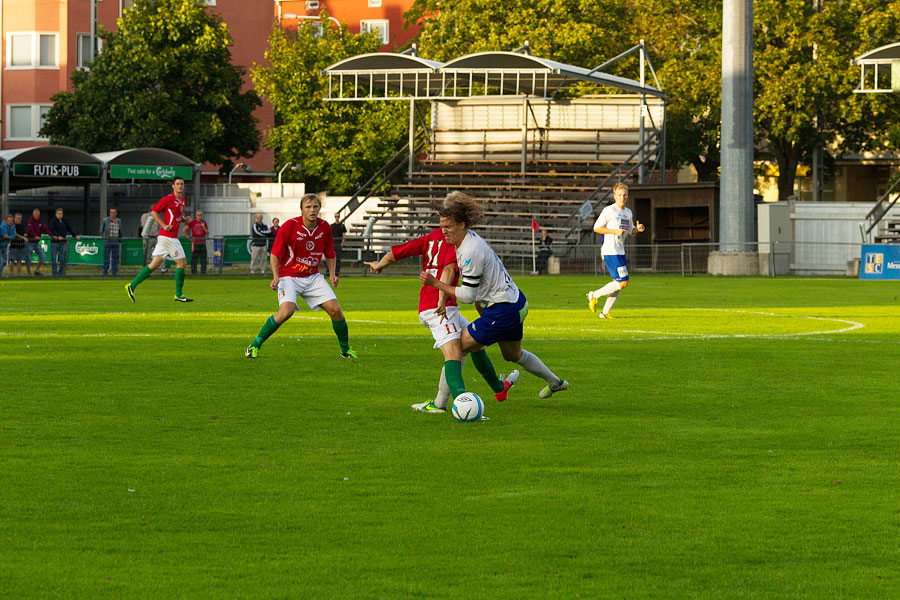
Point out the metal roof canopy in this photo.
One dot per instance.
(146, 156)
(879, 63)
(51, 159)
(150, 157)
(389, 76)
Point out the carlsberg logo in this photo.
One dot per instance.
(86, 249)
(165, 172)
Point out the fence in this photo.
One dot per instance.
(230, 255)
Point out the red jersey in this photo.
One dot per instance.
(300, 250)
(171, 210)
(198, 233)
(436, 254)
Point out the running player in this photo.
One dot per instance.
(485, 281)
(615, 223)
(168, 212)
(297, 251)
(437, 311)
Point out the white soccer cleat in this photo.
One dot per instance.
(429, 407)
(549, 391)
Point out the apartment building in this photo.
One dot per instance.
(44, 41)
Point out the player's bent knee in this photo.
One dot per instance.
(623, 284)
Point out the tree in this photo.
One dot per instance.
(338, 144)
(577, 32)
(685, 43)
(164, 79)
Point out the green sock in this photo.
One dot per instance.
(340, 329)
(179, 282)
(268, 329)
(142, 275)
(486, 368)
(453, 376)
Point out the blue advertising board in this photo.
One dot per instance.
(880, 261)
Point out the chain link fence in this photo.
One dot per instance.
(231, 255)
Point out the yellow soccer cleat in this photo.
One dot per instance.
(592, 302)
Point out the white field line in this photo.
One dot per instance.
(660, 335)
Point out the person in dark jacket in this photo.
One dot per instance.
(60, 230)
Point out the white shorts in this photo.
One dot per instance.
(314, 289)
(171, 247)
(444, 331)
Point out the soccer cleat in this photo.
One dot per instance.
(130, 291)
(549, 391)
(428, 407)
(351, 354)
(252, 352)
(183, 299)
(592, 302)
(510, 381)
(604, 316)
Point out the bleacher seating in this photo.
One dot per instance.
(550, 192)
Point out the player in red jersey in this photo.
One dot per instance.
(437, 311)
(299, 247)
(168, 212)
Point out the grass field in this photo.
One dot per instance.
(722, 438)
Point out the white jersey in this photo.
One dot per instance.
(483, 278)
(613, 217)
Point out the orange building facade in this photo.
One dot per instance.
(44, 41)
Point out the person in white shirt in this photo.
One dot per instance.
(502, 306)
(615, 223)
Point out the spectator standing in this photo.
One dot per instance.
(337, 234)
(258, 245)
(545, 251)
(36, 228)
(198, 230)
(60, 230)
(273, 231)
(149, 233)
(7, 234)
(111, 230)
(17, 246)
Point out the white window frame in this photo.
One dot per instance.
(374, 3)
(79, 59)
(312, 4)
(35, 122)
(383, 25)
(35, 50)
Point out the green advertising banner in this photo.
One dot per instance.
(86, 251)
(132, 253)
(56, 171)
(149, 172)
(237, 249)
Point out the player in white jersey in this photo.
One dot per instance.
(485, 281)
(615, 223)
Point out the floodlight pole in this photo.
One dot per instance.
(736, 214)
(412, 134)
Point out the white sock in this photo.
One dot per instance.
(609, 288)
(535, 366)
(610, 300)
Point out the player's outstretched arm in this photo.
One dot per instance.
(386, 260)
(447, 275)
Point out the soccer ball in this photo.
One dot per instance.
(468, 407)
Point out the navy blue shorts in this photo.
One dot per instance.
(616, 266)
(501, 322)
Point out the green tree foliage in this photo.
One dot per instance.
(338, 144)
(685, 44)
(164, 79)
(577, 32)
